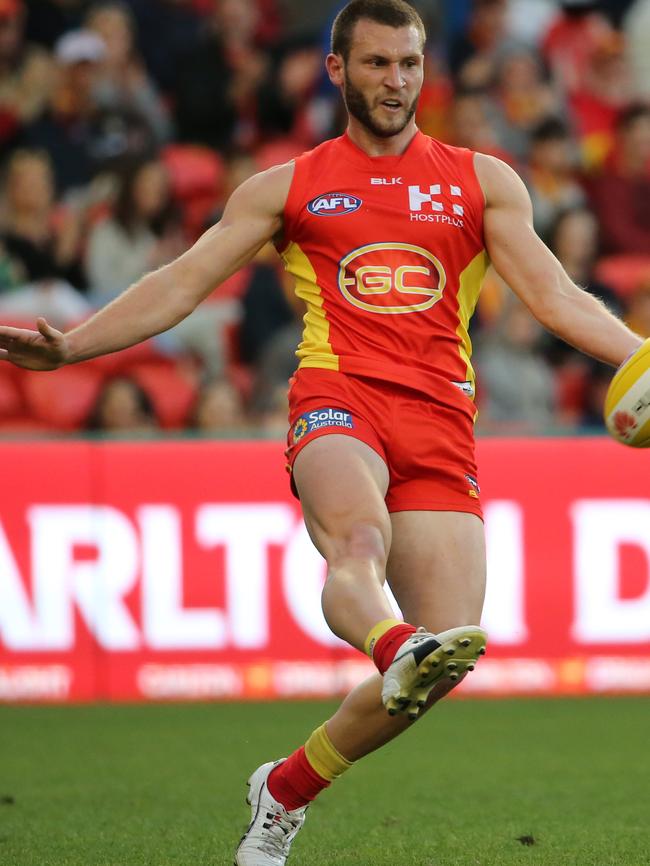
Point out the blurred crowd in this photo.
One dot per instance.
(126, 124)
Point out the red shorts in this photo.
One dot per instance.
(428, 447)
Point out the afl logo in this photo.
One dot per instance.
(391, 278)
(334, 204)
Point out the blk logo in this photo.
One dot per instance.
(386, 181)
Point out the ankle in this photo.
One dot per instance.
(386, 647)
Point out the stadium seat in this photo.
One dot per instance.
(277, 152)
(624, 273)
(23, 425)
(196, 175)
(62, 398)
(193, 170)
(172, 392)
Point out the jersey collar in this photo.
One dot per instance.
(361, 159)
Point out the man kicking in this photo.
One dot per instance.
(388, 234)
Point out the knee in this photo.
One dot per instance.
(364, 540)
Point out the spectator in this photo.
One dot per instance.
(621, 195)
(123, 407)
(82, 139)
(122, 81)
(517, 391)
(573, 238)
(219, 408)
(65, 129)
(524, 98)
(597, 102)
(289, 104)
(473, 55)
(143, 233)
(43, 243)
(551, 180)
(40, 248)
(25, 73)
(472, 125)
(570, 40)
(217, 84)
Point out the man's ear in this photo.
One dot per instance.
(335, 69)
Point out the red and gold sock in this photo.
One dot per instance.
(308, 771)
(385, 639)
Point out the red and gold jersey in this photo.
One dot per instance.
(388, 254)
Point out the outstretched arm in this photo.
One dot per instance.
(537, 277)
(164, 297)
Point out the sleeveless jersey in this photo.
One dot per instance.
(388, 255)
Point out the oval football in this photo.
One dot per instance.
(627, 404)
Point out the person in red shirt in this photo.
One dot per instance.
(620, 195)
(387, 234)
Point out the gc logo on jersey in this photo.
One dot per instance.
(334, 204)
(391, 278)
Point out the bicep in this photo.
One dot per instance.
(519, 256)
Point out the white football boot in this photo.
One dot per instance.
(272, 829)
(426, 659)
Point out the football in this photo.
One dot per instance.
(627, 404)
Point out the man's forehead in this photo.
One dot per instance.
(371, 37)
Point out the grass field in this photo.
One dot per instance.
(158, 785)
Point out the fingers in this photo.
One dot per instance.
(46, 330)
(8, 334)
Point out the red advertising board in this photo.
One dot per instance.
(175, 570)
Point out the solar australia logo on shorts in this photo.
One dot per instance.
(391, 278)
(334, 204)
(319, 418)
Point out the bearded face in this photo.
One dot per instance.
(384, 114)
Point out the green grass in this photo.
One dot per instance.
(162, 785)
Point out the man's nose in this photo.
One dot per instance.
(394, 76)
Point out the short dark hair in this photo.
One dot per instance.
(392, 13)
(550, 129)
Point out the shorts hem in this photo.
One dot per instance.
(435, 505)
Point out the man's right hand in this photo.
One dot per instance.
(44, 349)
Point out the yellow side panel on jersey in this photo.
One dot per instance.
(315, 349)
(469, 288)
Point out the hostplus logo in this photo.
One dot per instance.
(427, 206)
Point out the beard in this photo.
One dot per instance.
(358, 107)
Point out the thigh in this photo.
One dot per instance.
(341, 482)
(436, 567)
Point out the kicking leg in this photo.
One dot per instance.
(436, 570)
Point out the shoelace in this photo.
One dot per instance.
(280, 829)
